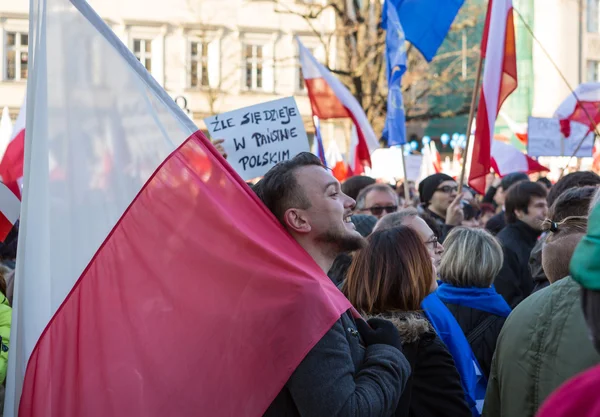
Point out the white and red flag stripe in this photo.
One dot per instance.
(582, 106)
(330, 99)
(10, 209)
(499, 80)
(507, 159)
(11, 166)
(172, 291)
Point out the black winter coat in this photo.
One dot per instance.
(434, 388)
(514, 282)
(481, 330)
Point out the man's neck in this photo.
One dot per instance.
(439, 213)
(323, 260)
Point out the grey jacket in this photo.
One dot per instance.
(342, 377)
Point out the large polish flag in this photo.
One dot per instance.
(499, 80)
(171, 292)
(330, 99)
(507, 159)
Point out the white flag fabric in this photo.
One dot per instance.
(91, 110)
(6, 131)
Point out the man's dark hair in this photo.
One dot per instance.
(519, 195)
(573, 202)
(575, 179)
(279, 189)
(545, 181)
(354, 185)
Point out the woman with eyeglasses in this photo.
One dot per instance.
(390, 278)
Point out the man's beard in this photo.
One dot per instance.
(342, 242)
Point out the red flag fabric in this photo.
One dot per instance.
(208, 311)
(330, 99)
(582, 106)
(499, 80)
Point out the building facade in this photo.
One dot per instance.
(211, 56)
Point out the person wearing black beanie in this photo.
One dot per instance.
(441, 201)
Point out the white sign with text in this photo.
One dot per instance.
(258, 137)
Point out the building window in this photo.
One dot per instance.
(17, 56)
(142, 49)
(593, 9)
(253, 57)
(592, 71)
(199, 64)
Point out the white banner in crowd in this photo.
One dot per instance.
(544, 138)
(260, 136)
(387, 164)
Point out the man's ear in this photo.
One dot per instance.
(296, 221)
(520, 214)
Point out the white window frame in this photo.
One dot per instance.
(142, 55)
(19, 49)
(596, 63)
(254, 61)
(203, 63)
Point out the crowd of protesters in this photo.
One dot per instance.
(466, 304)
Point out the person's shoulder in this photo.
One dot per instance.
(577, 397)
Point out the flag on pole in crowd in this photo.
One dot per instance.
(518, 129)
(336, 162)
(507, 159)
(427, 22)
(395, 56)
(11, 165)
(320, 151)
(436, 158)
(582, 106)
(330, 99)
(499, 80)
(6, 130)
(171, 261)
(10, 209)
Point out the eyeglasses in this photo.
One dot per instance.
(376, 211)
(433, 242)
(447, 189)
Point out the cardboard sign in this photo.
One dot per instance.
(544, 138)
(258, 137)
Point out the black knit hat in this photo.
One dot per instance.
(512, 178)
(428, 186)
(364, 223)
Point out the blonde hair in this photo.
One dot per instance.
(472, 258)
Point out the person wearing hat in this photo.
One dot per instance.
(441, 201)
(498, 222)
(579, 396)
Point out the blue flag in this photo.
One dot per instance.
(427, 22)
(395, 54)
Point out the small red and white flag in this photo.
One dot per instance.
(436, 158)
(499, 80)
(335, 161)
(10, 209)
(11, 166)
(330, 99)
(585, 111)
(507, 159)
(173, 292)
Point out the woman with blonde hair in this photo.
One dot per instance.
(472, 259)
(390, 278)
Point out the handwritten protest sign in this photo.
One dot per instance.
(544, 138)
(260, 136)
